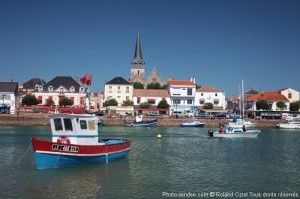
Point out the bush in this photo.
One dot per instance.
(66, 102)
(29, 100)
(281, 105)
(145, 105)
(110, 102)
(127, 103)
(49, 102)
(154, 86)
(208, 105)
(138, 85)
(262, 105)
(295, 106)
(163, 104)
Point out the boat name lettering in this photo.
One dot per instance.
(57, 147)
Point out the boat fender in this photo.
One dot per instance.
(210, 133)
(63, 140)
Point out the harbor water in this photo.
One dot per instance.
(184, 161)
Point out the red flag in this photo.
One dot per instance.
(87, 79)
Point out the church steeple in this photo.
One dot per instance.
(137, 64)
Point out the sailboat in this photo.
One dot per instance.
(240, 123)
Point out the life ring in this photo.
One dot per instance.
(63, 140)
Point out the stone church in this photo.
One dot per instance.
(137, 71)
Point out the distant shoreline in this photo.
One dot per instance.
(34, 119)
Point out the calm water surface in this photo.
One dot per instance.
(184, 160)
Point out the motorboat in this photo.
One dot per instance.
(234, 133)
(193, 124)
(74, 142)
(290, 124)
(241, 123)
(139, 122)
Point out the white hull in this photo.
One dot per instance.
(230, 134)
(288, 126)
(240, 124)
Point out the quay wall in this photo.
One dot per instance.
(43, 120)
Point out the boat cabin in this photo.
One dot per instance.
(74, 129)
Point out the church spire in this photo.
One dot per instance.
(138, 49)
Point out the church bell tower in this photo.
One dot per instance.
(137, 72)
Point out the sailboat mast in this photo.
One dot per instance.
(243, 100)
(240, 99)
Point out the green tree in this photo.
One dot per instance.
(295, 106)
(138, 85)
(111, 102)
(208, 105)
(49, 102)
(65, 102)
(29, 100)
(163, 104)
(262, 105)
(281, 105)
(155, 85)
(127, 103)
(145, 105)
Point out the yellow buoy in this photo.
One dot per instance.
(158, 136)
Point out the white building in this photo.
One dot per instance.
(60, 87)
(182, 94)
(152, 96)
(291, 94)
(9, 96)
(208, 94)
(118, 89)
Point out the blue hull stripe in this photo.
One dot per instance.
(46, 161)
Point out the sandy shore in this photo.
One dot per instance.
(27, 119)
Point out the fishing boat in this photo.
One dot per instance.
(195, 124)
(140, 123)
(74, 142)
(290, 124)
(234, 133)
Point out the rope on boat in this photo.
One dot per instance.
(24, 154)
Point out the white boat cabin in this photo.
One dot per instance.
(74, 129)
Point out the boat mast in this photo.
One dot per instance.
(243, 101)
(240, 99)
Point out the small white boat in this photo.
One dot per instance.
(291, 124)
(234, 133)
(241, 123)
(193, 124)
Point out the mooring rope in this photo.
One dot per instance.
(24, 154)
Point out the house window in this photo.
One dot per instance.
(110, 89)
(72, 89)
(68, 124)
(216, 102)
(290, 95)
(83, 124)
(127, 98)
(50, 88)
(202, 101)
(138, 100)
(201, 94)
(189, 101)
(40, 88)
(61, 90)
(176, 101)
(216, 94)
(151, 101)
(189, 91)
(119, 89)
(138, 72)
(127, 89)
(81, 89)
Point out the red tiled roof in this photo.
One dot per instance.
(269, 96)
(208, 89)
(150, 93)
(181, 83)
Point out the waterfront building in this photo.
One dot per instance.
(60, 87)
(182, 95)
(119, 89)
(208, 94)
(31, 85)
(9, 96)
(153, 97)
(137, 71)
(291, 94)
(272, 97)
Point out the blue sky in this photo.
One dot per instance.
(218, 42)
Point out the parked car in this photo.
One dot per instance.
(152, 113)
